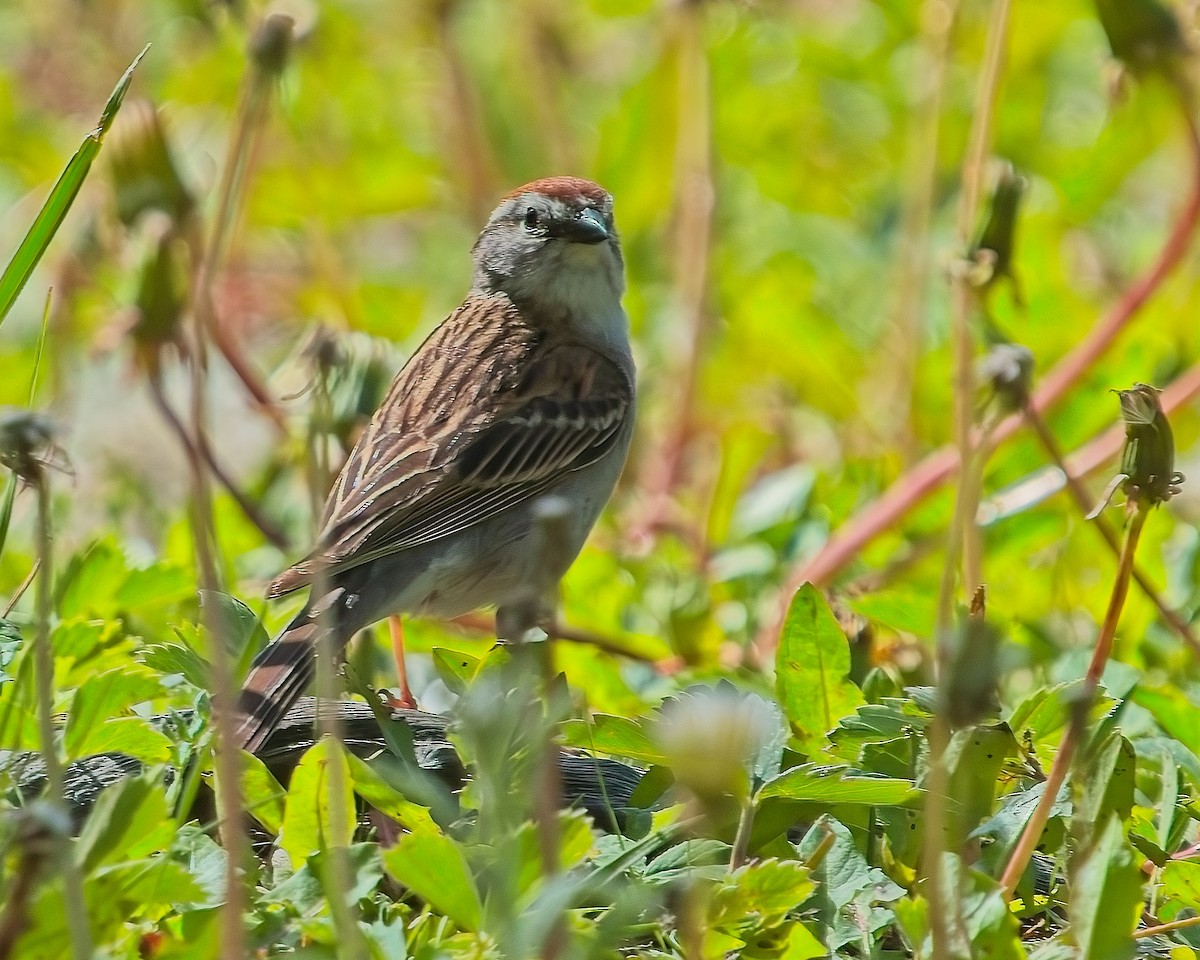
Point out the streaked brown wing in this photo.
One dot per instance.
(486, 415)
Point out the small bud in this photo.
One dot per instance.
(994, 249)
(713, 737)
(1144, 35)
(26, 442)
(1148, 461)
(162, 293)
(1007, 369)
(144, 174)
(271, 43)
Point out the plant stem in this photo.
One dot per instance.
(338, 877)
(695, 197)
(248, 507)
(76, 904)
(1066, 751)
(1162, 928)
(927, 476)
(1080, 495)
(741, 840)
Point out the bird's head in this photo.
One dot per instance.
(552, 245)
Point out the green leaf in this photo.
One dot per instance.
(907, 612)
(974, 759)
(127, 822)
(811, 667)
(454, 668)
(308, 816)
(385, 798)
(757, 897)
(51, 216)
(133, 736)
(1180, 889)
(1106, 901)
(613, 736)
(1107, 783)
(433, 866)
(158, 882)
(103, 697)
(851, 896)
(834, 784)
(981, 925)
(235, 624)
(177, 658)
(262, 795)
(6, 508)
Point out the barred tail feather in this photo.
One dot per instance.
(278, 677)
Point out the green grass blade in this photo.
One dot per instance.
(51, 216)
(6, 508)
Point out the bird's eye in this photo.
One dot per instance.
(531, 218)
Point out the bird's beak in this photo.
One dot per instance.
(588, 227)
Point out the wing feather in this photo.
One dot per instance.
(489, 412)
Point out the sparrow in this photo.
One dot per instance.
(525, 392)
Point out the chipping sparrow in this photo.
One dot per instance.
(525, 391)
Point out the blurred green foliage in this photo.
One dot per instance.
(809, 307)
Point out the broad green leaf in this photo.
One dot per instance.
(851, 896)
(906, 612)
(309, 823)
(981, 925)
(262, 795)
(613, 736)
(757, 897)
(811, 667)
(836, 784)
(235, 623)
(974, 758)
(177, 658)
(385, 798)
(455, 668)
(1106, 786)
(1106, 901)
(51, 216)
(701, 857)
(433, 866)
(104, 697)
(129, 821)
(152, 883)
(132, 736)
(1180, 888)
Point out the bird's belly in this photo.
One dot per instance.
(498, 561)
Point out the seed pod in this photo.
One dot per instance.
(1148, 461)
(1144, 35)
(996, 243)
(26, 442)
(144, 174)
(1007, 368)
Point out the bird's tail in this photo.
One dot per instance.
(278, 677)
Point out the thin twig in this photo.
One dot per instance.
(695, 197)
(1032, 833)
(1164, 928)
(248, 507)
(933, 471)
(473, 157)
(480, 623)
(20, 591)
(76, 905)
(338, 878)
(972, 445)
(899, 360)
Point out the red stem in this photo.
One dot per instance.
(938, 467)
